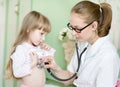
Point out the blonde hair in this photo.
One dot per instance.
(33, 20)
(101, 13)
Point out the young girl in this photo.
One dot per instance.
(25, 59)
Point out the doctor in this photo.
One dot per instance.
(99, 66)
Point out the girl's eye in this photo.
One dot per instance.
(42, 33)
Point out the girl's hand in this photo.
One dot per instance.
(45, 46)
(34, 58)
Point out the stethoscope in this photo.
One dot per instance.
(79, 62)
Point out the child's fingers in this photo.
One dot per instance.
(32, 54)
(45, 46)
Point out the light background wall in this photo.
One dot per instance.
(13, 11)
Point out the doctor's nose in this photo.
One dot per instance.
(74, 33)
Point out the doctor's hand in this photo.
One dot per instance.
(51, 64)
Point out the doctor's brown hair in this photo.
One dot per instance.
(101, 13)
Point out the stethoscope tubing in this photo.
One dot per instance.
(75, 74)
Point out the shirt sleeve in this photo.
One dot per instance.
(21, 64)
(108, 74)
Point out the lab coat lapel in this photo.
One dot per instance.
(91, 52)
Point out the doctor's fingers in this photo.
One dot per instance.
(49, 59)
(51, 66)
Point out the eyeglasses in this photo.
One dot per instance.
(77, 30)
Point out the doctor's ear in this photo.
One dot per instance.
(28, 31)
(94, 25)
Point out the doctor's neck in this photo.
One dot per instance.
(93, 39)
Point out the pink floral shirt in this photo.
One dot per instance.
(22, 61)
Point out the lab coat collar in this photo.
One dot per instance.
(94, 49)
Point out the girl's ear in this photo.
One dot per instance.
(94, 25)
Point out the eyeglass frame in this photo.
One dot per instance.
(78, 30)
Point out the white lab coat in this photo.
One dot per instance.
(99, 64)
